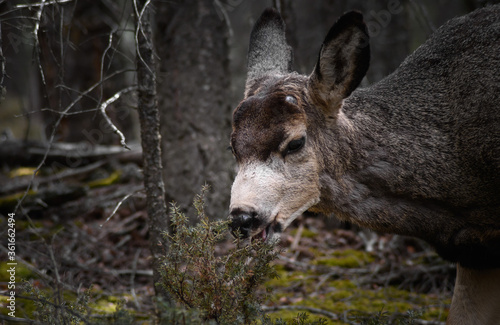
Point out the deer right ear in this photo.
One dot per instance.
(268, 53)
(343, 61)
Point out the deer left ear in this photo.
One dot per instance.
(343, 61)
(268, 52)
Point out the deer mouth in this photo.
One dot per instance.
(270, 232)
(264, 234)
(274, 229)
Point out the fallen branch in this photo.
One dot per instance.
(23, 183)
(34, 153)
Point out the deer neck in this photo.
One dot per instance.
(476, 299)
(357, 173)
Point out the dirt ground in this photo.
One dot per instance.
(91, 235)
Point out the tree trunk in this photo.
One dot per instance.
(150, 140)
(193, 97)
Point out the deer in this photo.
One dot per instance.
(416, 154)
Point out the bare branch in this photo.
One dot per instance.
(140, 29)
(41, 4)
(118, 206)
(13, 187)
(422, 13)
(38, 18)
(53, 134)
(132, 278)
(84, 94)
(110, 44)
(225, 17)
(108, 102)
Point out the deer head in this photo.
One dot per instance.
(279, 128)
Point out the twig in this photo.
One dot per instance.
(90, 89)
(132, 277)
(122, 272)
(424, 15)
(297, 263)
(297, 237)
(58, 296)
(37, 43)
(225, 17)
(323, 278)
(53, 258)
(37, 20)
(103, 57)
(108, 102)
(118, 206)
(53, 134)
(139, 29)
(80, 97)
(41, 4)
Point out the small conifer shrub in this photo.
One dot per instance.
(222, 288)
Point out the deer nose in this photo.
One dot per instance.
(242, 222)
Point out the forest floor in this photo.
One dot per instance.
(69, 256)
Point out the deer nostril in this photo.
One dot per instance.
(245, 220)
(242, 223)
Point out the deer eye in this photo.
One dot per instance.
(295, 145)
(291, 99)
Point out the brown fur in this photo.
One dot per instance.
(416, 154)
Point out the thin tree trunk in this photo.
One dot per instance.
(150, 140)
(193, 91)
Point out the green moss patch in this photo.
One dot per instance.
(343, 296)
(111, 179)
(22, 272)
(348, 258)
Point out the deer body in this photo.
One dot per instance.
(416, 154)
(425, 150)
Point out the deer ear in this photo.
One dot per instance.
(343, 61)
(269, 53)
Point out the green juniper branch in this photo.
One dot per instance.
(222, 288)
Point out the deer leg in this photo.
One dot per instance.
(476, 298)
